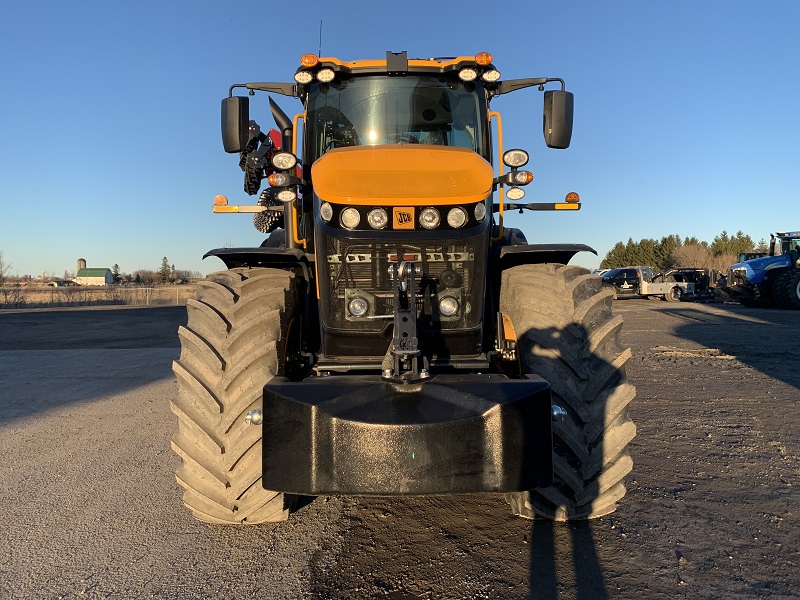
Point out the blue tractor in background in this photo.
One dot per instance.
(772, 280)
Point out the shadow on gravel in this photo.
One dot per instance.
(755, 336)
(53, 358)
(547, 538)
(97, 328)
(563, 555)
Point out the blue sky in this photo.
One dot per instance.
(686, 115)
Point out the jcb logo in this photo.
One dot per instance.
(403, 217)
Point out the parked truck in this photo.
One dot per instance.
(640, 281)
(392, 336)
(772, 280)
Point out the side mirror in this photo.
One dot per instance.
(235, 123)
(558, 110)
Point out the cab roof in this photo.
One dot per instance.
(397, 63)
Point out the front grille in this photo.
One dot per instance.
(737, 277)
(349, 268)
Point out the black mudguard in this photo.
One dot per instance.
(452, 434)
(530, 254)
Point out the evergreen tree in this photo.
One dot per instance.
(726, 244)
(614, 258)
(665, 249)
(647, 253)
(164, 272)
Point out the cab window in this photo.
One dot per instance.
(361, 111)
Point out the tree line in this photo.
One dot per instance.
(166, 274)
(672, 251)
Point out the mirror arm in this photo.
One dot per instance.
(285, 89)
(512, 85)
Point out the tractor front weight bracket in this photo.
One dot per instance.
(404, 350)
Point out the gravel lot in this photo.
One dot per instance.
(90, 508)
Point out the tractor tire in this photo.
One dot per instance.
(231, 346)
(568, 335)
(786, 290)
(674, 295)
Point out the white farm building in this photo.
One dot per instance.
(94, 277)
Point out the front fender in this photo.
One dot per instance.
(278, 258)
(531, 254)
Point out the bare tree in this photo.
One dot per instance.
(145, 277)
(721, 262)
(4, 269)
(692, 256)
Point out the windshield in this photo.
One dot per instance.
(361, 111)
(789, 244)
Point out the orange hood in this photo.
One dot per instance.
(406, 174)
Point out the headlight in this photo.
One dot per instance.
(467, 74)
(515, 158)
(284, 161)
(491, 75)
(326, 211)
(325, 75)
(448, 306)
(377, 218)
(456, 217)
(480, 211)
(350, 218)
(287, 195)
(429, 218)
(303, 77)
(358, 306)
(515, 193)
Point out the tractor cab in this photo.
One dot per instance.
(787, 242)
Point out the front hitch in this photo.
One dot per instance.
(402, 362)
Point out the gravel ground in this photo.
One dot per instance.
(90, 508)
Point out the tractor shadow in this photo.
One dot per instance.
(552, 541)
(564, 556)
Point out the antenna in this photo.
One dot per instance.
(320, 38)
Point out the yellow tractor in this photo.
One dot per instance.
(390, 336)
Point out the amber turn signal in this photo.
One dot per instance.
(483, 58)
(220, 200)
(572, 197)
(309, 60)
